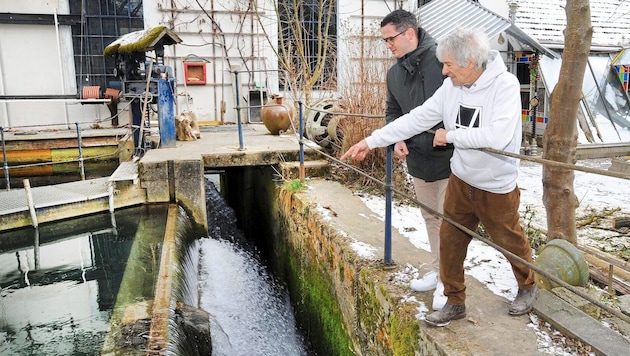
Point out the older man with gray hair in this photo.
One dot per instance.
(480, 106)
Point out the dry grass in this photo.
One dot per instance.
(366, 95)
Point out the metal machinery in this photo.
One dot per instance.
(321, 125)
(144, 80)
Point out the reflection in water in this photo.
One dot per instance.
(251, 310)
(59, 283)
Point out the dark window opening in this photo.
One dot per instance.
(308, 38)
(102, 23)
(522, 73)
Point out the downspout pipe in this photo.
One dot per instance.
(62, 81)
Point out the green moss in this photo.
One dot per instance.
(404, 333)
(316, 308)
(294, 185)
(139, 41)
(316, 304)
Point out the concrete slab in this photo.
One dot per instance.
(224, 146)
(573, 322)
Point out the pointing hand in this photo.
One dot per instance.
(357, 152)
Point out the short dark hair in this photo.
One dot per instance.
(401, 19)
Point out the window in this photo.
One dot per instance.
(307, 41)
(103, 22)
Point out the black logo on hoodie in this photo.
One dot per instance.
(468, 116)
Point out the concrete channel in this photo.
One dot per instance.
(351, 303)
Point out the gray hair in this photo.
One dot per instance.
(464, 45)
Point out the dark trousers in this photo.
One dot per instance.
(499, 215)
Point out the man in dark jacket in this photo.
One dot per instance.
(413, 79)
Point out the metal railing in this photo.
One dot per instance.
(389, 190)
(80, 160)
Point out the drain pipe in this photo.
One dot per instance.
(63, 82)
(4, 158)
(387, 259)
(80, 151)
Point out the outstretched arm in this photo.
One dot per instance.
(357, 152)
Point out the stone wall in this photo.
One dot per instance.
(346, 305)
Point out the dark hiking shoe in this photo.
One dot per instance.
(524, 301)
(443, 317)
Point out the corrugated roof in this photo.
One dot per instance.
(622, 58)
(546, 21)
(440, 17)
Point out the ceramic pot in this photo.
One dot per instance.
(563, 260)
(277, 114)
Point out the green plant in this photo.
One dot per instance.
(294, 185)
(534, 235)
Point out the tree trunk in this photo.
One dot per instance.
(560, 138)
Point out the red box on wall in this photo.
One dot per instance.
(195, 73)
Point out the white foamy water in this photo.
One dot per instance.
(251, 312)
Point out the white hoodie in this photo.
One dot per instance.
(486, 114)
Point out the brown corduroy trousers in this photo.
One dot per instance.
(499, 215)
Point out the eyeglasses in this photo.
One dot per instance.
(390, 39)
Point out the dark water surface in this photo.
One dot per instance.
(59, 284)
(62, 284)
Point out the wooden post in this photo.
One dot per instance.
(29, 201)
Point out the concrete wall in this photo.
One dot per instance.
(342, 301)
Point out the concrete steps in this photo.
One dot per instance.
(316, 168)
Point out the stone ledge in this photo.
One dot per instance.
(574, 323)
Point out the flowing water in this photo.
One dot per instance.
(62, 284)
(251, 312)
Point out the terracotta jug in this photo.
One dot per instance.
(277, 114)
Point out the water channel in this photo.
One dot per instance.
(60, 285)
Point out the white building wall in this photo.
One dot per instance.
(244, 40)
(236, 43)
(38, 60)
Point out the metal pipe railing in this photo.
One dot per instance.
(79, 143)
(238, 107)
(387, 258)
(239, 122)
(302, 168)
(5, 160)
(81, 159)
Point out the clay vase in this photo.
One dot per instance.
(277, 114)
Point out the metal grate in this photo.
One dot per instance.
(126, 171)
(14, 201)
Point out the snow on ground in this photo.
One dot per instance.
(595, 192)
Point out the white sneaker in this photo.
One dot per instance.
(426, 283)
(439, 299)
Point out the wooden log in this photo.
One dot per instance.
(623, 266)
(601, 277)
(599, 267)
(622, 221)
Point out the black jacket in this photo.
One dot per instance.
(412, 80)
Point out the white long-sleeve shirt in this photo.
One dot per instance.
(486, 114)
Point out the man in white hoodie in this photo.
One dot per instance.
(479, 104)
